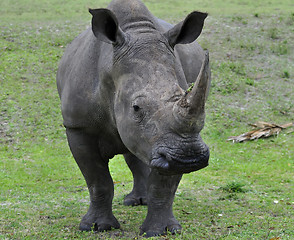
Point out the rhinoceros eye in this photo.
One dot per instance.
(136, 108)
(139, 114)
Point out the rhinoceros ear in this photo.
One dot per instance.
(186, 31)
(105, 26)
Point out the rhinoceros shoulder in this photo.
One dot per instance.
(78, 81)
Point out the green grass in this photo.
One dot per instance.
(246, 192)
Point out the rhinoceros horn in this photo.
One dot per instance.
(191, 105)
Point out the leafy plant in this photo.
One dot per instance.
(273, 33)
(190, 87)
(285, 74)
(234, 187)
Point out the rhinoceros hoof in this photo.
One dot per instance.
(134, 200)
(152, 231)
(98, 225)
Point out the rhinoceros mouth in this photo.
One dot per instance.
(168, 165)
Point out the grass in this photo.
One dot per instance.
(245, 193)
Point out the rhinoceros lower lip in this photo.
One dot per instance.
(160, 163)
(168, 165)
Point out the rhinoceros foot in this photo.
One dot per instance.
(133, 199)
(98, 224)
(171, 226)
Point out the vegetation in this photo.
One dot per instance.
(245, 193)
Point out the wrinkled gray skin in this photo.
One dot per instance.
(123, 87)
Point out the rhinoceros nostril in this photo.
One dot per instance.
(164, 156)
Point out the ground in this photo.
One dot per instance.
(247, 190)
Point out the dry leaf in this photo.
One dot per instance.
(262, 130)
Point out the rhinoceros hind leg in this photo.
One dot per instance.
(133, 200)
(85, 149)
(140, 171)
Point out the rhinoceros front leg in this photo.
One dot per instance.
(140, 172)
(161, 191)
(84, 148)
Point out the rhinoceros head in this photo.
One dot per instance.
(158, 120)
